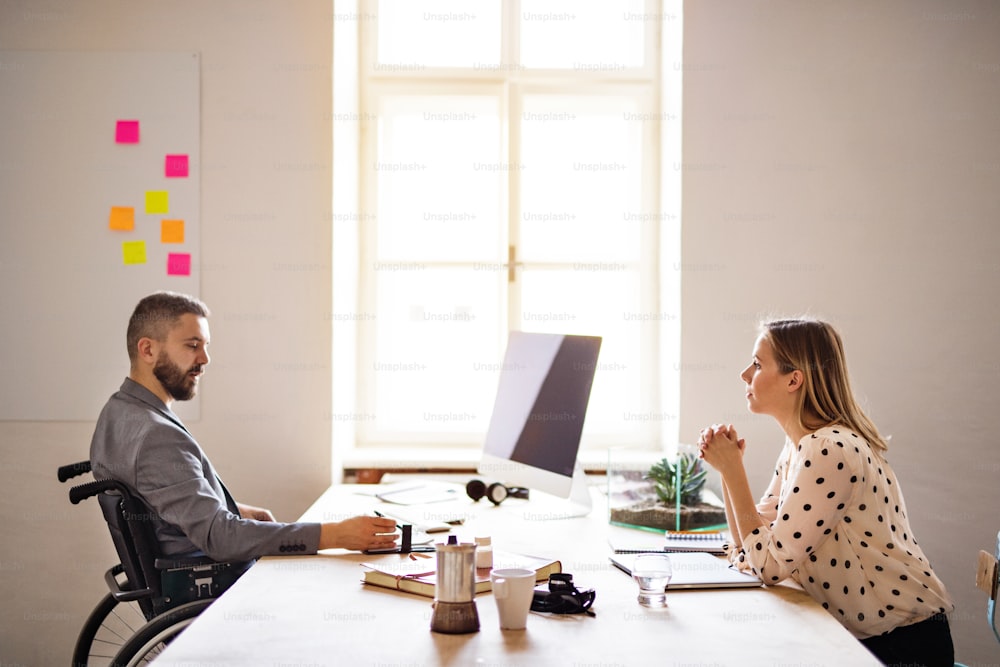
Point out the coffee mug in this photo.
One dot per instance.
(513, 589)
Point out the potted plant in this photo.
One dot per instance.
(674, 498)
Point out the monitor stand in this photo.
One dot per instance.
(546, 507)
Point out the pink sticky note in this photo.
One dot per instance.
(127, 132)
(176, 166)
(179, 264)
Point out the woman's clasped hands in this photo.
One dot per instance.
(721, 447)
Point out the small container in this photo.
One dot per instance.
(484, 553)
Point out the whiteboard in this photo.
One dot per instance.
(70, 271)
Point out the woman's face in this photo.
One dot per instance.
(769, 391)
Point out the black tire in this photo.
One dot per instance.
(154, 636)
(107, 629)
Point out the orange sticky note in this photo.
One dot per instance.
(122, 218)
(134, 252)
(157, 201)
(171, 231)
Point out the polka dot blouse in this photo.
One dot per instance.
(838, 527)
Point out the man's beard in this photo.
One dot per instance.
(176, 381)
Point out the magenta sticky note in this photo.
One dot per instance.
(176, 166)
(179, 264)
(127, 132)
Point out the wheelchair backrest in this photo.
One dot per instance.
(129, 523)
(156, 582)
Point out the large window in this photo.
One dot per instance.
(514, 165)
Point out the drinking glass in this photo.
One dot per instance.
(652, 572)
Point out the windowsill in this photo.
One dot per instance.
(455, 459)
(412, 458)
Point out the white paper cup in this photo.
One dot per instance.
(513, 589)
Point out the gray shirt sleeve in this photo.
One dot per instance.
(179, 485)
(139, 442)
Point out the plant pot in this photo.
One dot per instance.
(654, 514)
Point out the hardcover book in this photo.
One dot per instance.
(415, 573)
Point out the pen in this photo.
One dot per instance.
(386, 516)
(399, 525)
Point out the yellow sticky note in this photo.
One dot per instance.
(171, 231)
(157, 201)
(134, 252)
(122, 218)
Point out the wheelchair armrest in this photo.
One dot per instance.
(84, 491)
(120, 594)
(72, 470)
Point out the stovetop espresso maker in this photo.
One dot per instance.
(455, 590)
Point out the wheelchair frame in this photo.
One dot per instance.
(151, 598)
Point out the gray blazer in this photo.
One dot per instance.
(140, 442)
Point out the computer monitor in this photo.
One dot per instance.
(534, 432)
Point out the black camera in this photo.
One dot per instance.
(561, 596)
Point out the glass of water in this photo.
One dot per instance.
(652, 572)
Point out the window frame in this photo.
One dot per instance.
(354, 196)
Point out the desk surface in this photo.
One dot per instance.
(313, 610)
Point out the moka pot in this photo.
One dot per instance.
(455, 590)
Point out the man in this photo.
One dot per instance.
(139, 441)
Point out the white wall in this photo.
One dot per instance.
(265, 242)
(839, 158)
(843, 159)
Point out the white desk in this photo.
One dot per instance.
(313, 610)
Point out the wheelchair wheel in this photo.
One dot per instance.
(105, 632)
(153, 637)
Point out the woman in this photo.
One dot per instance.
(833, 517)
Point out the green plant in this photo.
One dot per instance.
(688, 474)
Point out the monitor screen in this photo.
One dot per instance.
(538, 416)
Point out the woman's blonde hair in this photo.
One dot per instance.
(815, 348)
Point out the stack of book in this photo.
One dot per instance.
(415, 573)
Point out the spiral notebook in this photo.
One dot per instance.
(634, 542)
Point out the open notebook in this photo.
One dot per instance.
(696, 570)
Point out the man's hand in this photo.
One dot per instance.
(359, 534)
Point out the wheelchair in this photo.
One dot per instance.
(151, 598)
